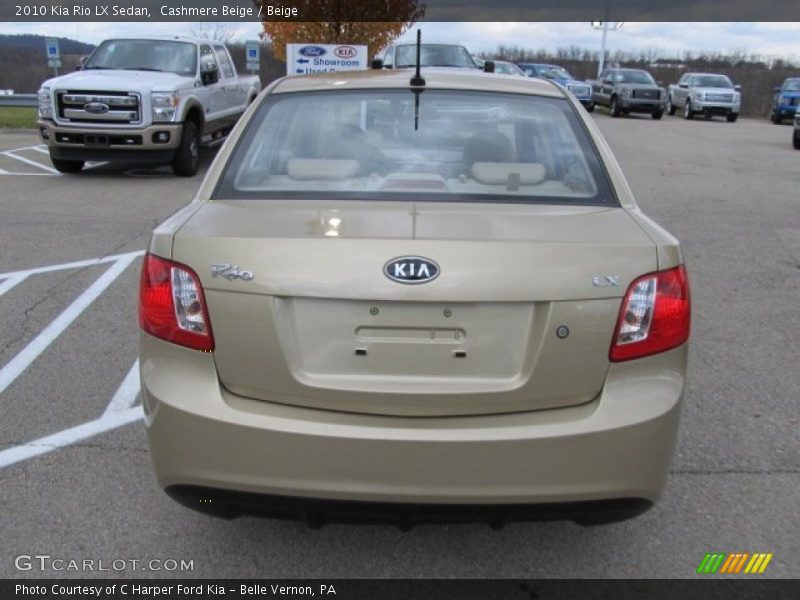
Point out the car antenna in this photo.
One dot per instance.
(417, 82)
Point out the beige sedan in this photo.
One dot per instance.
(403, 300)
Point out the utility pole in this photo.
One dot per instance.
(605, 26)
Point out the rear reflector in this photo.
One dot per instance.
(654, 316)
(172, 306)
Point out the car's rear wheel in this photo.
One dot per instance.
(614, 108)
(687, 110)
(732, 117)
(187, 155)
(67, 166)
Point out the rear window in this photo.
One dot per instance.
(437, 146)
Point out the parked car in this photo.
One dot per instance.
(626, 91)
(399, 56)
(144, 100)
(786, 100)
(796, 135)
(391, 305)
(708, 94)
(581, 90)
(507, 68)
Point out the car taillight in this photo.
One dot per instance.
(654, 316)
(172, 306)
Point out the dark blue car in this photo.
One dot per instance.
(787, 98)
(582, 91)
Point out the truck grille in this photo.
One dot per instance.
(98, 107)
(647, 94)
(580, 90)
(719, 97)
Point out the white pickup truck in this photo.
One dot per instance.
(144, 100)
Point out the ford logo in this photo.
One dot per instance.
(411, 269)
(312, 51)
(96, 108)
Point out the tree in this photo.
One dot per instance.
(375, 24)
(215, 32)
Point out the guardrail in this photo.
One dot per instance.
(19, 100)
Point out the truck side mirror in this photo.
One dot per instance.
(685, 86)
(488, 66)
(377, 63)
(776, 89)
(209, 70)
(737, 87)
(81, 62)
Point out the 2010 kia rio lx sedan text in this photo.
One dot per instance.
(414, 300)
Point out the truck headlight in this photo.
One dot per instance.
(45, 104)
(626, 92)
(165, 106)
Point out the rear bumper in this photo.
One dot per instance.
(126, 145)
(617, 447)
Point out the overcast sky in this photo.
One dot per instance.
(768, 39)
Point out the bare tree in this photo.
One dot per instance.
(216, 32)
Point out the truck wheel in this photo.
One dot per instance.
(657, 114)
(590, 107)
(67, 166)
(614, 108)
(187, 155)
(732, 117)
(776, 118)
(670, 106)
(687, 110)
(796, 139)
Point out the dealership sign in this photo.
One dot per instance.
(324, 58)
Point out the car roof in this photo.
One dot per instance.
(444, 78)
(164, 38)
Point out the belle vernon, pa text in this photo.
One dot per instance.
(171, 591)
(118, 10)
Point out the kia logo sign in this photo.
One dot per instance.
(345, 52)
(312, 51)
(411, 269)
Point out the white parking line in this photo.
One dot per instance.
(126, 393)
(18, 364)
(10, 154)
(70, 436)
(72, 265)
(11, 283)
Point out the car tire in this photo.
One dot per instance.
(187, 155)
(775, 117)
(670, 106)
(590, 107)
(613, 107)
(732, 117)
(688, 114)
(67, 166)
(657, 114)
(796, 139)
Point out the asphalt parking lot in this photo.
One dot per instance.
(75, 475)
